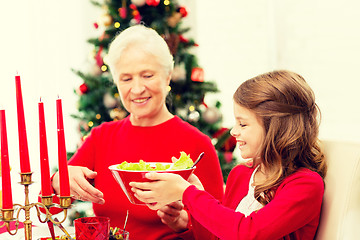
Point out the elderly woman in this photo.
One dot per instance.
(141, 66)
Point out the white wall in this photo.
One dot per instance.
(316, 38)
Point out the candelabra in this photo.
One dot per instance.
(46, 204)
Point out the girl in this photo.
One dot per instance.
(280, 195)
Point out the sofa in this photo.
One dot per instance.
(340, 213)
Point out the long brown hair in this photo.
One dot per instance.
(286, 105)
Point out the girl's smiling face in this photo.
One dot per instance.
(249, 132)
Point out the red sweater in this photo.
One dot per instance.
(115, 142)
(293, 213)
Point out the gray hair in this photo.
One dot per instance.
(143, 38)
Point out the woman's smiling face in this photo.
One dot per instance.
(143, 86)
(248, 131)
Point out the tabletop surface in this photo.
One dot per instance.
(37, 232)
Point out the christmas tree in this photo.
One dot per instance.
(98, 97)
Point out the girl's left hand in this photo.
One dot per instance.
(164, 189)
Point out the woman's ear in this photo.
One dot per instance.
(168, 80)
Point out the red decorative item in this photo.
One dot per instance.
(197, 74)
(183, 11)
(182, 39)
(44, 159)
(133, 7)
(152, 3)
(23, 145)
(83, 88)
(96, 25)
(98, 57)
(62, 156)
(228, 156)
(7, 201)
(122, 12)
(137, 16)
(219, 132)
(229, 144)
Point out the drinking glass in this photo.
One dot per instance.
(95, 228)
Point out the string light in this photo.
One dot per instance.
(166, 2)
(116, 95)
(191, 108)
(116, 24)
(98, 116)
(84, 137)
(103, 68)
(90, 123)
(168, 88)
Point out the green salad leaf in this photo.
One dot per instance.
(184, 162)
(143, 166)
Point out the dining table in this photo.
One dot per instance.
(37, 233)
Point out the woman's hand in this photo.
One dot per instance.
(80, 187)
(194, 180)
(174, 216)
(164, 189)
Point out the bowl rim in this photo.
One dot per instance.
(113, 167)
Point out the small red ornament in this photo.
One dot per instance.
(137, 16)
(83, 88)
(183, 11)
(197, 74)
(133, 7)
(96, 25)
(98, 57)
(229, 144)
(182, 39)
(152, 3)
(220, 132)
(228, 156)
(122, 12)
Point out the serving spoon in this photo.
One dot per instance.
(198, 159)
(127, 215)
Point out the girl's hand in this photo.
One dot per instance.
(174, 216)
(164, 189)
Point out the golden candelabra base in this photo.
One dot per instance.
(46, 204)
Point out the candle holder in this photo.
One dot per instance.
(46, 204)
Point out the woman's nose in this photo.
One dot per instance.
(137, 86)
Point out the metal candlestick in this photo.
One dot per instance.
(46, 204)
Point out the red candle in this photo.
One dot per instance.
(62, 158)
(7, 202)
(23, 146)
(44, 159)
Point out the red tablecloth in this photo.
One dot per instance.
(12, 226)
